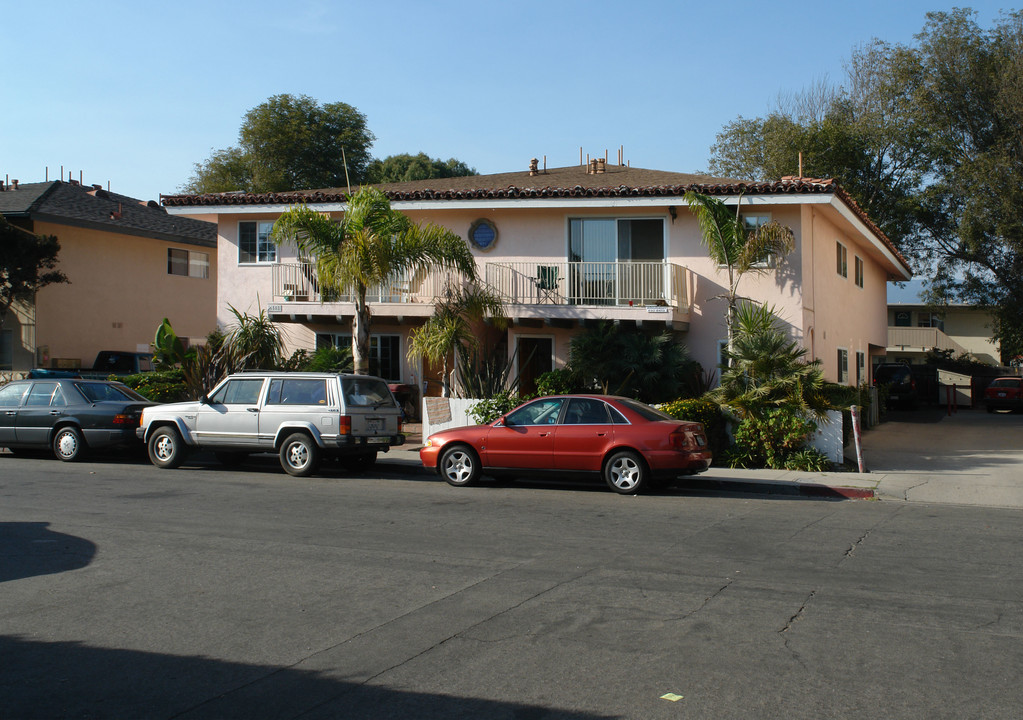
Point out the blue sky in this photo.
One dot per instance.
(134, 93)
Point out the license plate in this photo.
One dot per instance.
(1001, 394)
(374, 424)
(378, 440)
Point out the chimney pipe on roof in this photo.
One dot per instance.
(15, 183)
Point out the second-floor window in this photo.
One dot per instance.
(859, 271)
(254, 243)
(929, 319)
(842, 258)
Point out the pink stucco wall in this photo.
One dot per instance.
(823, 311)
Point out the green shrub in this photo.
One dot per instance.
(490, 409)
(808, 460)
(159, 386)
(769, 438)
(555, 382)
(702, 411)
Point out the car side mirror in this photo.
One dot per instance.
(204, 399)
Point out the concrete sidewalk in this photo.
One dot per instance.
(968, 458)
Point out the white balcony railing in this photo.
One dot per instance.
(590, 283)
(297, 282)
(535, 282)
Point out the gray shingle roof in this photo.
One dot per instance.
(94, 208)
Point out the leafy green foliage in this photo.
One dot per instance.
(613, 361)
(290, 142)
(405, 167)
(456, 326)
(767, 369)
(703, 411)
(556, 382)
(328, 359)
(168, 350)
(27, 264)
(489, 409)
(808, 460)
(925, 137)
(253, 342)
(159, 385)
(768, 439)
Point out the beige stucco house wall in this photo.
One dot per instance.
(915, 328)
(130, 264)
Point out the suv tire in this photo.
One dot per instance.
(166, 448)
(299, 455)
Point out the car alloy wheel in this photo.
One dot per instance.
(166, 448)
(625, 472)
(460, 466)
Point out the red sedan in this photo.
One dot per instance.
(629, 444)
(1004, 393)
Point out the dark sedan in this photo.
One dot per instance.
(630, 444)
(69, 415)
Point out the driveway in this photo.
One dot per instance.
(968, 458)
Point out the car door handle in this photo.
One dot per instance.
(601, 434)
(252, 409)
(56, 412)
(543, 434)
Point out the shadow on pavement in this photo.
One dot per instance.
(69, 679)
(28, 549)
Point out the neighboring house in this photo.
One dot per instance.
(129, 263)
(916, 329)
(568, 246)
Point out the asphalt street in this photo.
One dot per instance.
(132, 592)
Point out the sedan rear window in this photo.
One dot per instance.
(645, 411)
(101, 392)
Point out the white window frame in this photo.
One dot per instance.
(762, 219)
(266, 250)
(843, 360)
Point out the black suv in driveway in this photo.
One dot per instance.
(901, 386)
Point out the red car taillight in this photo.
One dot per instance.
(345, 425)
(122, 419)
(687, 438)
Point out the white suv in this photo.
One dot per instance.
(301, 416)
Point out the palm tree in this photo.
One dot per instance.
(454, 323)
(768, 370)
(737, 247)
(370, 245)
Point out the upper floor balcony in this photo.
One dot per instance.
(534, 290)
(921, 339)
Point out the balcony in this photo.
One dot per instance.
(920, 339)
(538, 290)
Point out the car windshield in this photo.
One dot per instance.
(888, 374)
(366, 392)
(100, 392)
(645, 411)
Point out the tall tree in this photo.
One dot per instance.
(739, 248)
(369, 246)
(290, 142)
(405, 167)
(927, 138)
(27, 263)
